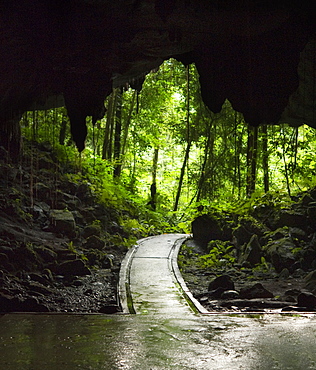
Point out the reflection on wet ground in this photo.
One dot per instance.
(157, 342)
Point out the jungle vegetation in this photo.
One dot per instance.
(161, 149)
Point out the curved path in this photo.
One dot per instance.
(150, 281)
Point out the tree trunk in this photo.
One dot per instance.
(128, 122)
(207, 149)
(117, 135)
(153, 187)
(184, 164)
(62, 132)
(265, 158)
(295, 147)
(189, 140)
(286, 166)
(108, 132)
(252, 146)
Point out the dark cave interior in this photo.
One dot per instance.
(258, 54)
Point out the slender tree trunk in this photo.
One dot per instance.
(286, 167)
(188, 147)
(287, 177)
(252, 146)
(240, 145)
(62, 132)
(117, 136)
(265, 158)
(211, 166)
(207, 147)
(128, 122)
(153, 187)
(295, 147)
(184, 164)
(155, 165)
(236, 154)
(108, 132)
(202, 173)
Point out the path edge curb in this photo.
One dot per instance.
(124, 296)
(197, 307)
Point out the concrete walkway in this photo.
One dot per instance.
(150, 281)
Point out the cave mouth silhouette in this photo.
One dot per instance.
(73, 53)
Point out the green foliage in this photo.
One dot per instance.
(135, 228)
(272, 199)
(216, 171)
(186, 256)
(262, 267)
(221, 253)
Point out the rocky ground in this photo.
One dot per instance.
(237, 289)
(60, 249)
(265, 261)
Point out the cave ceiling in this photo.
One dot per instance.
(260, 55)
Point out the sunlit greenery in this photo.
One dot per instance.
(160, 125)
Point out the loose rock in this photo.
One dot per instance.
(255, 291)
(63, 222)
(73, 268)
(223, 281)
(307, 300)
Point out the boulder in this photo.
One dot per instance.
(46, 254)
(253, 252)
(9, 303)
(255, 291)
(279, 252)
(91, 230)
(242, 235)
(310, 281)
(94, 242)
(308, 256)
(297, 233)
(291, 295)
(307, 300)
(224, 281)
(88, 214)
(292, 219)
(206, 228)
(73, 268)
(63, 222)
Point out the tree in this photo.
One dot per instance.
(107, 150)
(117, 135)
(252, 146)
(265, 158)
(188, 141)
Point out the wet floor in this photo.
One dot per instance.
(144, 342)
(166, 333)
